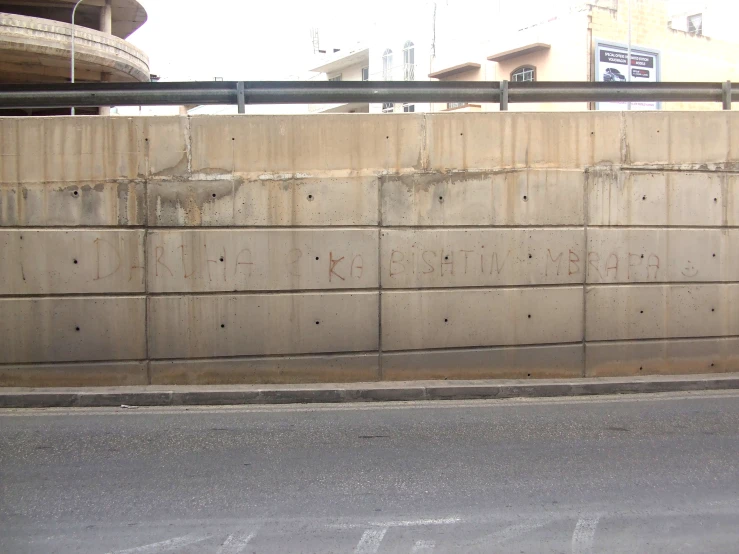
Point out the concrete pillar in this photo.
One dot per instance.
(104, 78)
(106, 17)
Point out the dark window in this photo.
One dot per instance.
(695, 24)
(388, 107)
(365, 74)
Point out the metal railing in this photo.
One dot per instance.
(241, 93)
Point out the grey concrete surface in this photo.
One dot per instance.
(657, 473)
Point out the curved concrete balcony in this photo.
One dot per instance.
(38, 50)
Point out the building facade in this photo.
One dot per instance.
(462, 40)
(36, 42)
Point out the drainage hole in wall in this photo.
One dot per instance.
(318, 322)
(713, 310)
(75, 261)
(529, 316)
(214, 195)
(641, 311)
(441, 198)
(223, 325)
(446, 257)
(528, 374)
(316, 258)
(715, 199)
(714, 255)
(643, 197)
(712, 365)
(310, 197)
(530, 256)
(75, 193)
(525, 197)
(446, 320)
(221, 258)
(76, 328)
(642, 255)
(641, 368)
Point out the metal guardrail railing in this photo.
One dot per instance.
(326, 92)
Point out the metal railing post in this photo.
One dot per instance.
(241, 97)
(726, 94)
(504, 96)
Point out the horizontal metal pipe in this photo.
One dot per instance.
(310, 92)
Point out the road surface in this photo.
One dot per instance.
(646, 473)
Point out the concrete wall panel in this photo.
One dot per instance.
(72, 329)
(96, 374)
(534, 197)
(443, 319)
(246, 325)
(544, 362)
(667, 255)
(109, 203)
(498, 140)
(672, 356)
(680, 139)
(166, 143)
(481, 257)
(661, 311)
(280, 259)
(345, 143)
(71, 262)
(71, 149)
(652, 198)
(268, 202)
(283, 369)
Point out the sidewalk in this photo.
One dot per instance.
(356, 392)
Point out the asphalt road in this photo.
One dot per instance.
(648, 473)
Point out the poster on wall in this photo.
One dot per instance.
(611, 66)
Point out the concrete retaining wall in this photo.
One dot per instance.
(362, 247)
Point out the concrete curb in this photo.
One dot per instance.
(356, 392)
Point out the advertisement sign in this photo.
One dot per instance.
(611, 66)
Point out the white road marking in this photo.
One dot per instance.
(423, 546)
(401, 523)
(370, 541)
(235, 544)
(163, 546)
(582, 537)
(511, 532)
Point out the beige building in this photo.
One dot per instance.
(36, 42)
(686, 46)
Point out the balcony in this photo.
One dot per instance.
(33, 49)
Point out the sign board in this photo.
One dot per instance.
(611, 66)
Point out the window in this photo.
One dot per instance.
(453, 105)
(335, 78)
(695, 24)
(387, 64)
(365, 74)
(388, 107)
(409, 108)
(409, 61)
(524, 73)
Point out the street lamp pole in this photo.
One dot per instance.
(74, 11)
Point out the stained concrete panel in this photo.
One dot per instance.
(264, 202)
(531, 197)
(519, 362)
(454, 318)
(70, 204)
(661, 311)
(668, 357)
(680, 139)
(96, 374)
(651, 198)
(71, 149)
(498, 140)
(71, 261)
(255, 325)
(191, 203)
(337, 368)
(276, 144)
(279, 259)
(481, 257)
(72, 329)
(668, 255)
(166, 145)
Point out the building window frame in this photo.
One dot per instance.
(409, 61)
(335, 78)
(695, 24)
(365, 73)
(387, 64)
(524, 71)
(409, 108)
(388, 107)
